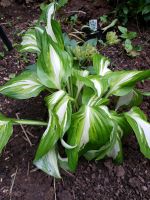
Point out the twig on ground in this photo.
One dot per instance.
(12, 183)
(55, 189)
(77, 11)
(24, 131)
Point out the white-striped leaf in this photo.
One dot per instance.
(6, 130)
(100, 64)
(54, 64)
(77, 75)
(141, 127)
(122, 82)
(133, 98)
(60, 103)
(90, 128)
(49, 163)
(52, 26)
(50, 136)
(97, 83)
(105, 149)
(116, 151)
(23, 86)
(29, 42)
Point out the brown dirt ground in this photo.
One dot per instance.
(92, 180)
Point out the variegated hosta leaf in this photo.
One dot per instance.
(29, 42)
(105, 149)
(122, 82)
(54, 64)
(116, 151)
(122, 122)
(50, 136)
(141, 127)
(52, 26)
(60, 103)
(49, 163)
(90, 128)
(6, 130)
(97, 83)
(79, 83)
(23, 86)
(133, 98)
(100, 64)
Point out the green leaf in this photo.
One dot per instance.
(53, 28)
(23, 86)
(128, 45)
(77, 79)
(133, 98)
(123, 125)
(50, 137)
(141, 127)
(97, 83)
(60, 103)
(90, 128)
(116, 152)
(100, 64)
(6, 130)
(122, 29)
(49, 163)
(54, 64)
(29, 42)
(112, 38)
(122, 82)
(105, 149)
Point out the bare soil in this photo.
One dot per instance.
(19, 179)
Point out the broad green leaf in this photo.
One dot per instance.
(60, 103)
(49, 163)
(97, 83)
(91, 99)
(100, 64)
(23, 86)
(53, 65)
(122, 82)
(133, 98)
(29, 42)
(116, 152)
(141, 127)
(105, 149)
(122, 29)
(123, 125)
(90, 128)
(50, 137)
(6, 130)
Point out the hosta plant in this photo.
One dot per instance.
(81, 119)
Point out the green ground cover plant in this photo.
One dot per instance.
(81, 120)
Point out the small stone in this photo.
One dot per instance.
(144, 188)
(134, 182)
(120, 172)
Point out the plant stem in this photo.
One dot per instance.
(28, 122)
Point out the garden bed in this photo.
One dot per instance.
(19, 179)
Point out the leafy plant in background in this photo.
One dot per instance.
(131, 50)
(112, 38)
(80, 121)
(132, 9)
